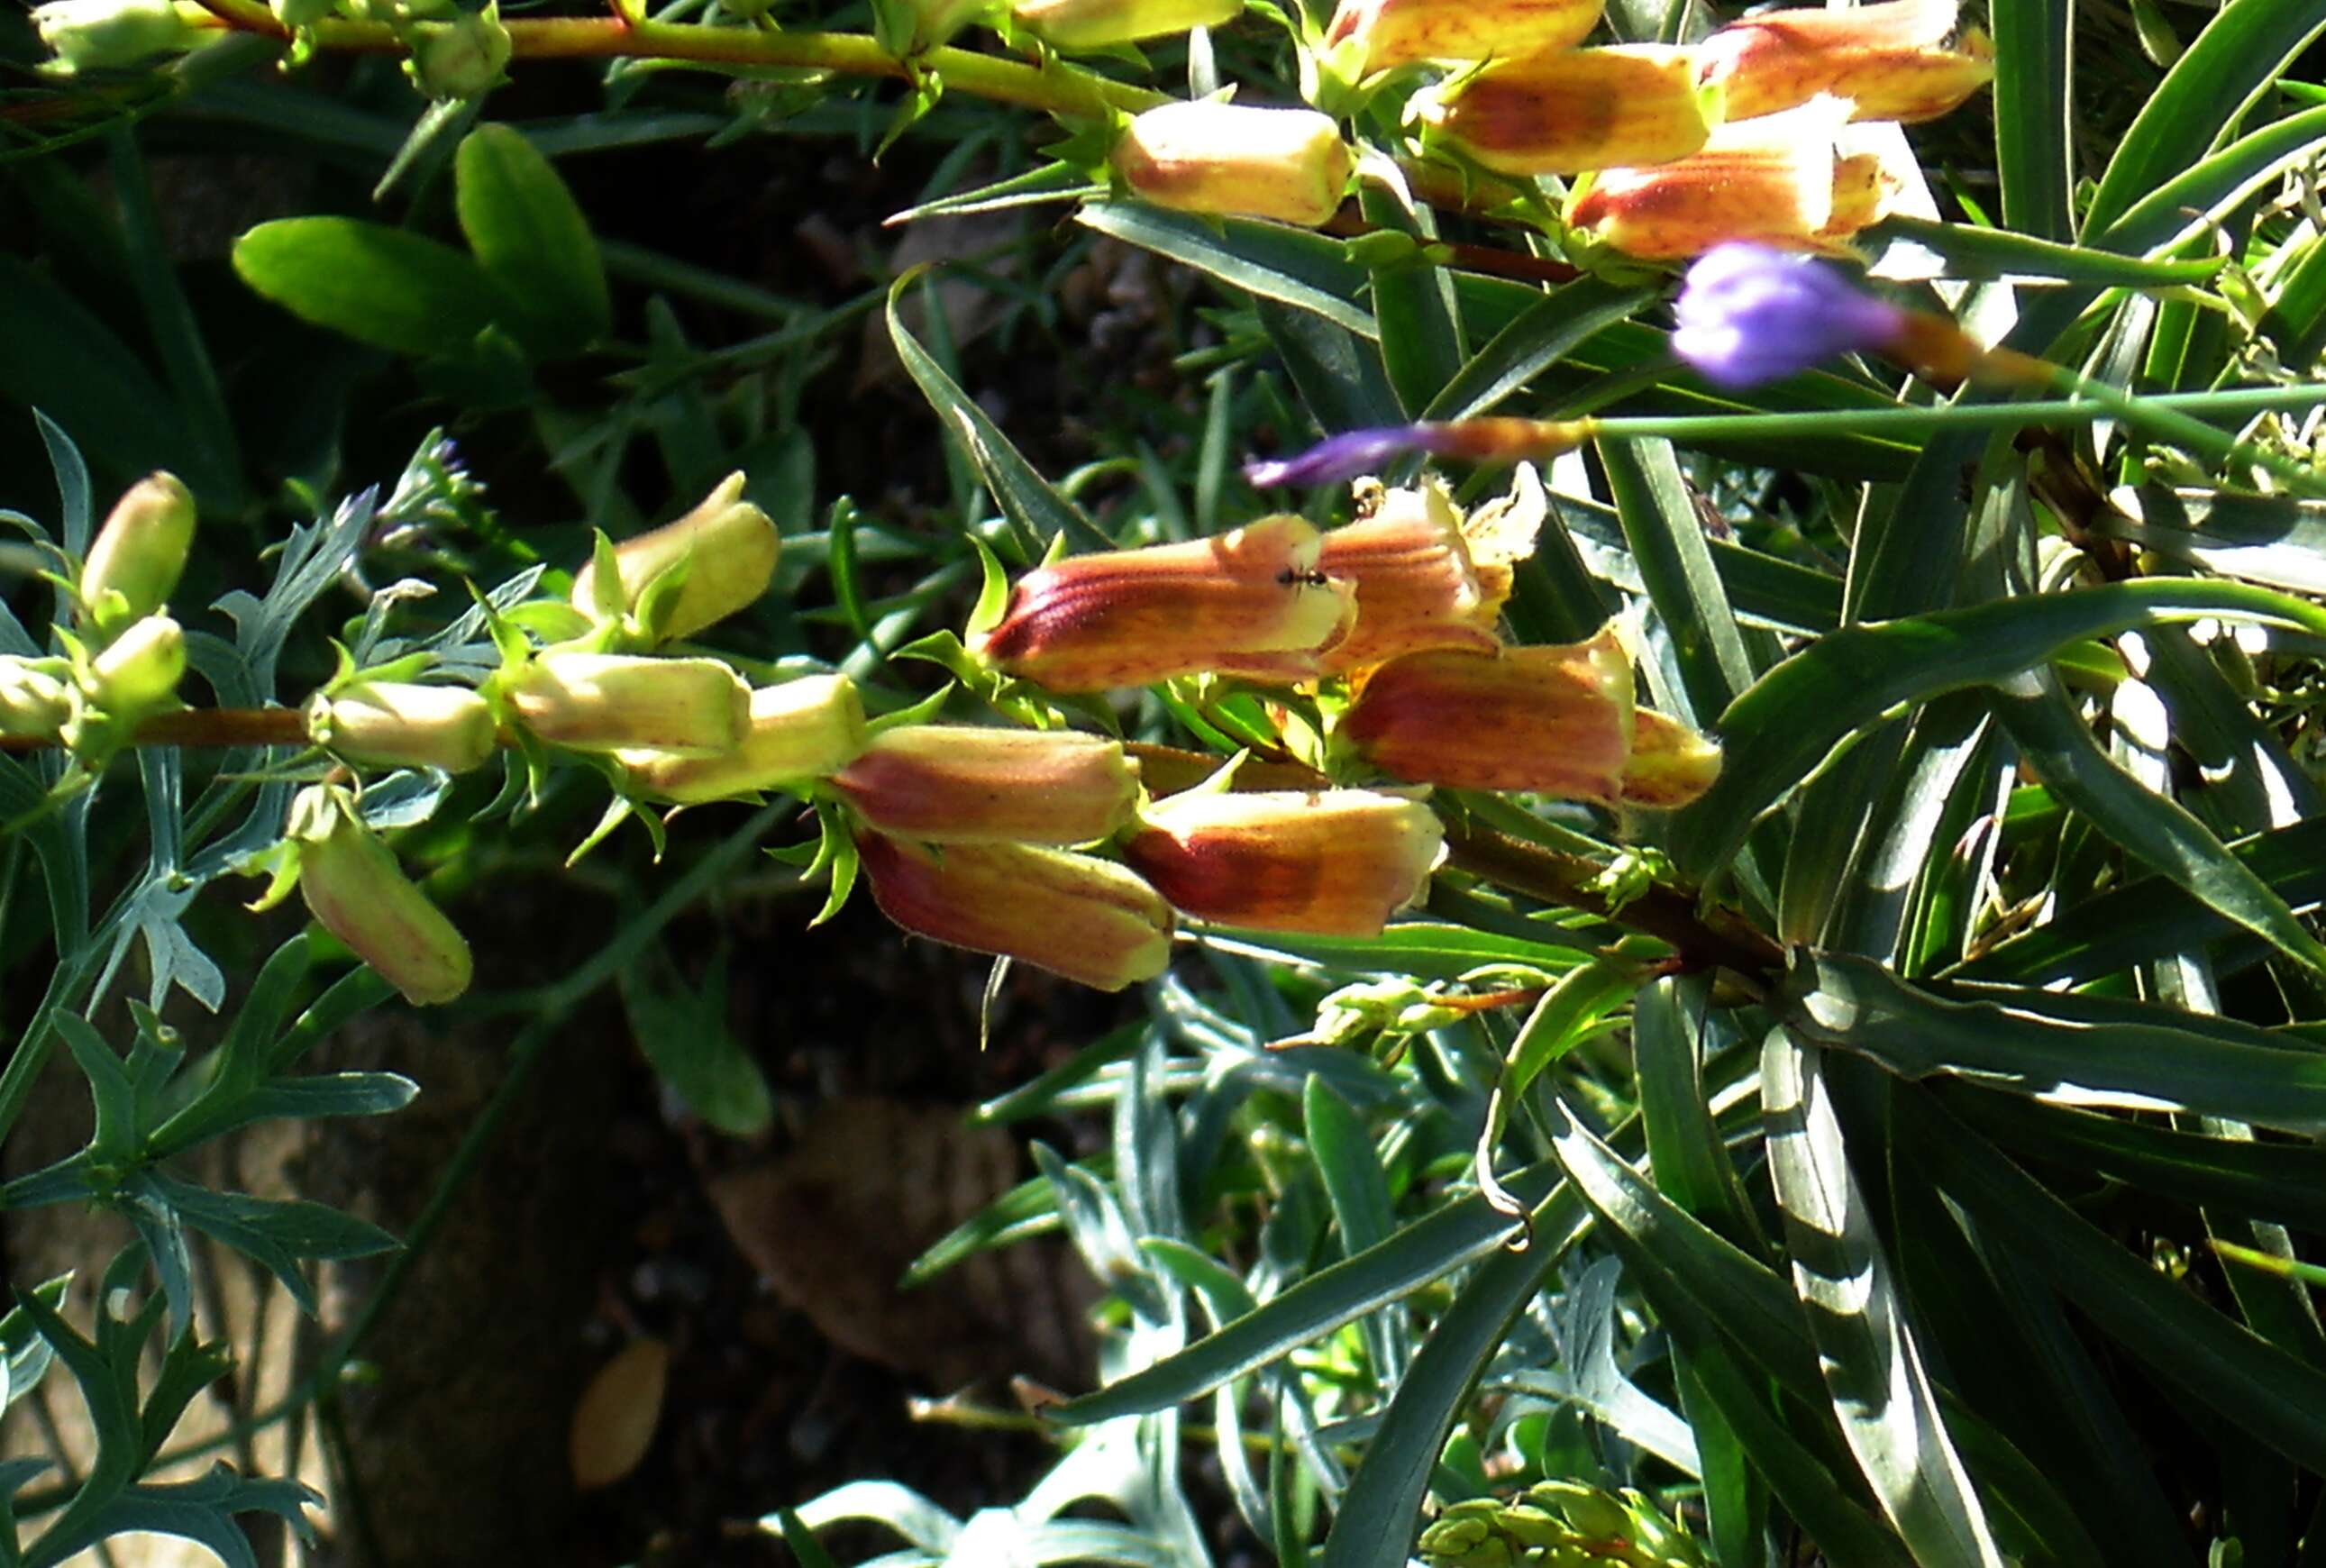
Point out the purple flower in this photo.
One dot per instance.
(1749, 314)
(1341, 456)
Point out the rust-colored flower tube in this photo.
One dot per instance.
(1563, 113)
(957, 784)
(1770, 180)
(1390, 33)
(1417, 586)
(1128, 616)
(1332, 863)
(1087, 919)
(1888, 59)
(1554, 720)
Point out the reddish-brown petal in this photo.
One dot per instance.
(952, 783)
(1087, 919)
(1553, 720)
(1337, 863)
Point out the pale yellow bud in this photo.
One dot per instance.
(34, 703)
(142, 667)
(140, 552)
(397, 724)
(1077, 24)
(356, 890)
(1231, 160)
(614, 702)
(108, 34)
(803, 729)
(726, 547)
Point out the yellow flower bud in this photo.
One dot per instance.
(1564, 112)
(1887, 59)
(107, 34)
(1770, 180)
(1335, 863)
(141, 668)
(726, 546)
(1076, 915)
(611, 701)
(34, 703)
(1554, 720)
(356, 890)
(1417, 583)
(953, 785)
(1077, 25)
(1391, 32)
(1254, 597)
(398, 723)
(1231, 160)
(140, 552)
(803, 729)
(1670, 764)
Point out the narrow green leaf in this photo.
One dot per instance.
(1037, 512)
(2054, 742)
(1660, 520)
(1338, 373)
(1685, 1148)
(2034, 70)
(388, 287)
(2278, 1399)
(2134, 1060)
(2223, 73)
(1980, 254)
(1413, 305)
(1787, 725)
(1267, 260)
(2187, 205)
(1550, 329)
(1880, 1394)
(528, 233)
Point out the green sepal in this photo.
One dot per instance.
(924, 712)
(993, 590)
(607, 602)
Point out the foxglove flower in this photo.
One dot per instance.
(955, 784)
(1232, 160)
(1253, 596)
(34, 702)
(1770, 180)
(1555, 720)
(1749, 314)
(1076, 915)
(356, 890)
(1077, 24)
(141, 668)
(1670, 764)
(1888, 59)
(1382, 33)
(108, 34)
(397, 724)
(139, 554)
(1421, 580)
(1335, 863)
(803, 730)
(1563, 113)
(724, 551)
(1354, 453)
(614, 701)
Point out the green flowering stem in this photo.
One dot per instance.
(2183, 415)
(1052, 86)
(200, 727)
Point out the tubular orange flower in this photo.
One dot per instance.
(1338, 863)
(1389, 32)
(803, 729)
(1418, 586)
(1555, 720)
(1670, 764)
(1232, 160)
(1254, 596)
(1888, 59)
(1564, 112)
(955, 785)
(1076, 915)
(1770, 180)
